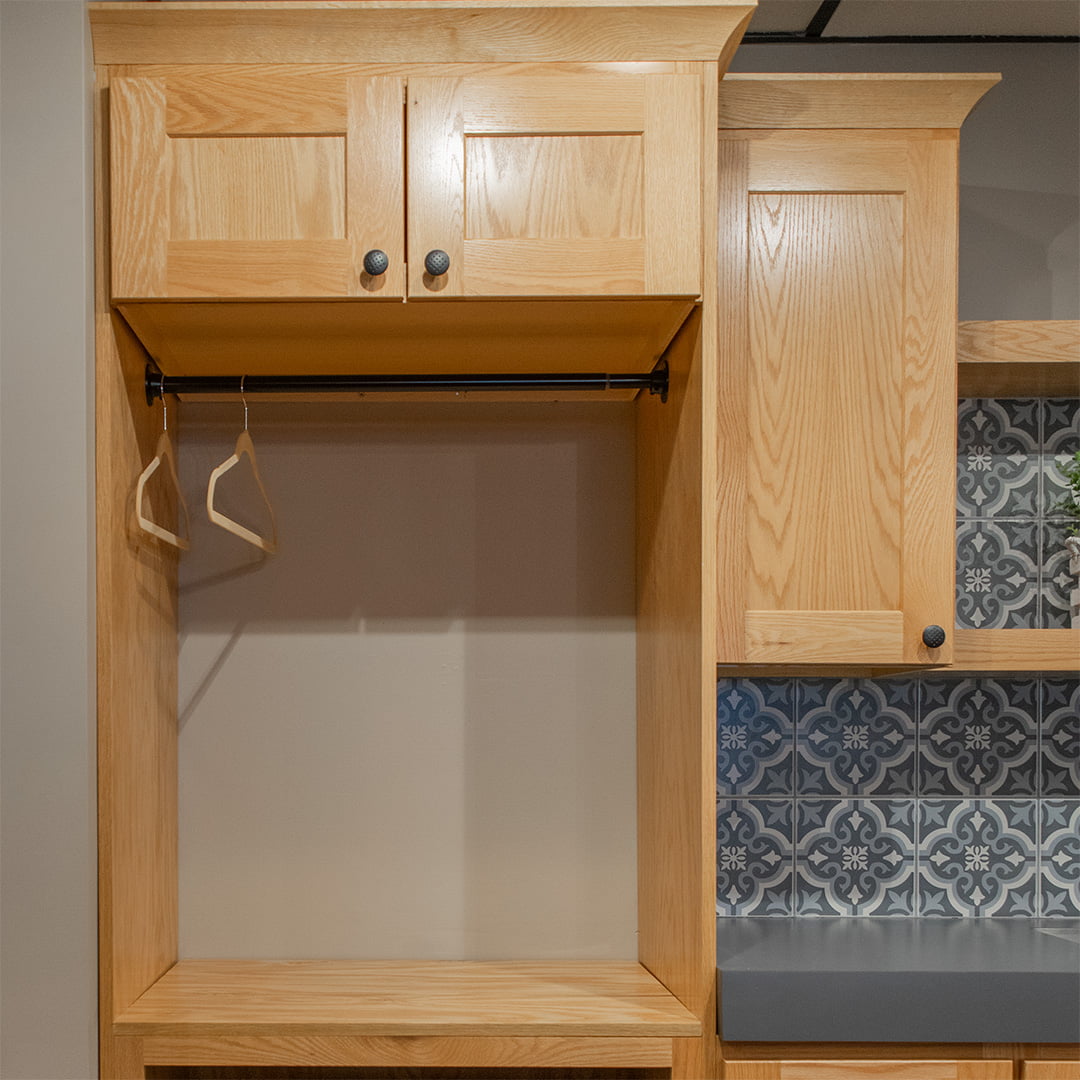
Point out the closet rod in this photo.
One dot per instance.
(159, 384)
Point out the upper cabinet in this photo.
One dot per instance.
(837, 346)
(283, 182)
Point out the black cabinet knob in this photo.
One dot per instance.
(376, 262)
(933, 637)
(436, 262)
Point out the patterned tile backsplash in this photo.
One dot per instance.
(1011, 558)
(921, 795)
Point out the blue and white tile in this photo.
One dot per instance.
(856, 737)
(978, 857)
(855, 857)
(1060, 441)
(998, 457)
(755, 733)
(979, 737)
(754, 856)
(997, 574)
(1060, 744)
(1060, 858)
(1055, 580)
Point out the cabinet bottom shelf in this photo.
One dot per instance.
(385, 1013)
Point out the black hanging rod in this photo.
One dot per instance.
(159, 384)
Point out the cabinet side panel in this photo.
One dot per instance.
(673, 856)
(824, 512)
(929, 351)
(136, 633)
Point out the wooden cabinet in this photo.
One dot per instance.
(275, 181)
(837, 346)
(869, 1070)
(1051, 1070)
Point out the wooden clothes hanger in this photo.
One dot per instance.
(244, 448)
(163, 455)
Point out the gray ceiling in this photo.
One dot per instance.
(874, 18)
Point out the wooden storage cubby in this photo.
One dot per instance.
(208, 287)
(1018, 359)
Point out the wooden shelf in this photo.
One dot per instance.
(1016, 650)
(1019, 359)
(394, 998)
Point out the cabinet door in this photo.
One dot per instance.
(837, 396)
(868, 1070)
(558, 185)
(1051, 1070)
(256, 183)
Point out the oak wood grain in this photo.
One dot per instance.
(864, 100)
(229, 269)
(415, 1051)
(1016, 650)
(1050, 1070)
(868, 1070)
(1013, 358)
(421, 31)
(221, 997)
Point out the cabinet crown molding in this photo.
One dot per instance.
(841, 100)
(417, 31)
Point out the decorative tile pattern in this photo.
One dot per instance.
(997, 457)
(979, 737)
(755, 725)
(1060, 851)
(997, 574)
(977, 857)
(1060, 440)
(754, 856)
(855, 857)
(856, 737)
(1056, 582)
(1060, 745)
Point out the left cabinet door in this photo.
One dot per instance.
(257, 182)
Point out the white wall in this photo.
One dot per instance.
(47, 887)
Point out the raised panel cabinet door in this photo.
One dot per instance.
(257, 183)
(555, 185)
(868, 1070)
(836, 446)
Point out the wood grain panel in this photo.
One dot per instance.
(139, 187)
(868, 1070)
(1016, 650)
(205, 337)
(418, 32)
(554, 187)
(554, 267)
(820, 161)
(813, 100)
(929, 396)
(676, 692)
(417, 1051)
(824, 508)
(1050, 1070)
(673, 185)
(270, 99)
(266, 268)
(808, 637)
(436, 183)
(257, 188)
(223, 997)
(1019, 359)
(376, 182)
(136, 669)
(732, 398)
(517, 104)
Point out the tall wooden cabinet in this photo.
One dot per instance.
(837, 309)
(251, 156)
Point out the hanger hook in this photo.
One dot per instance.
(244, 400)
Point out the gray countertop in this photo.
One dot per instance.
(899, 980)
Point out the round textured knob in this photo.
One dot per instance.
(376, 262)
(933, 637)
(436, 262)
